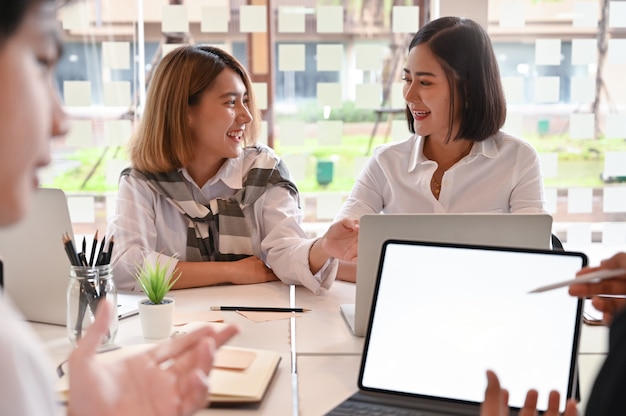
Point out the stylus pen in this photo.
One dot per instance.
(592, 277)
(257, 309)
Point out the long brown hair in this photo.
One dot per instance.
(162, 142)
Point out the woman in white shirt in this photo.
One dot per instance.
(458, 159)
(204, 195)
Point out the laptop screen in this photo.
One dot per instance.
(443, 314)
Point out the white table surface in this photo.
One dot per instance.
(325, 381)
(323, 330)
(327, 355)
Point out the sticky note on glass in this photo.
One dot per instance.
(369, 57)
(329, 93)
(291, 57)
(617, 51)
(116, 93)
(252, 19)
(582, 89)
(291, 19)
(329, 57)
(548, 52)
(368, 96)
(617, 14)
(260, 92)
(585, 14)
(329, 19)
(175, 18)
(116, 55)
(615, 127)
(549, 164)
(547, 89)
(513, 89)
(579, 200)
(581, 126)
(291, 132)
(614, 199)
(215, 19)
(405, 19)
(584, 51)
(77, 93)
(329, 132)
(512, 13)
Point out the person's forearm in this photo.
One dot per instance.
(317, 256)
(346, 271)
(199, 274)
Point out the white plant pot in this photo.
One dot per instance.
(156, 320)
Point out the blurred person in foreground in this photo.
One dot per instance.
(170, 379)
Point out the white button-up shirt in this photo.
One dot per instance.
(500, 174)
(145, 225)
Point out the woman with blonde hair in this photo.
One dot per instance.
(204, 194)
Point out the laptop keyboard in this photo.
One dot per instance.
(353, 408)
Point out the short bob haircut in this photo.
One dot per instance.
(466, 55)
(162, 142)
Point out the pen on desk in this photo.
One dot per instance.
(592, 277)
(257, 309)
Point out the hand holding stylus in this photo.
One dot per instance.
(609, 295)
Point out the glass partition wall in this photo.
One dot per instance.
(327, 75)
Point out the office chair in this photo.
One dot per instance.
(556, 243)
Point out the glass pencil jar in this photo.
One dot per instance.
(86, 289)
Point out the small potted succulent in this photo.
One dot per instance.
(156, 311)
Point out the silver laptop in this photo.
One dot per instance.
(35, 264)
(445, 313)
(509, 230)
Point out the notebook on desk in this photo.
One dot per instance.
(36, 267)
(509, 230)
(437, 325)
(240, 376)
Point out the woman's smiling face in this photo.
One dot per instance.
(426, 91)
(219, 120)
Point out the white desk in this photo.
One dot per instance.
(327, 354)
(324, 381)
(318, 393)
(323, 330)
(271, 335)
